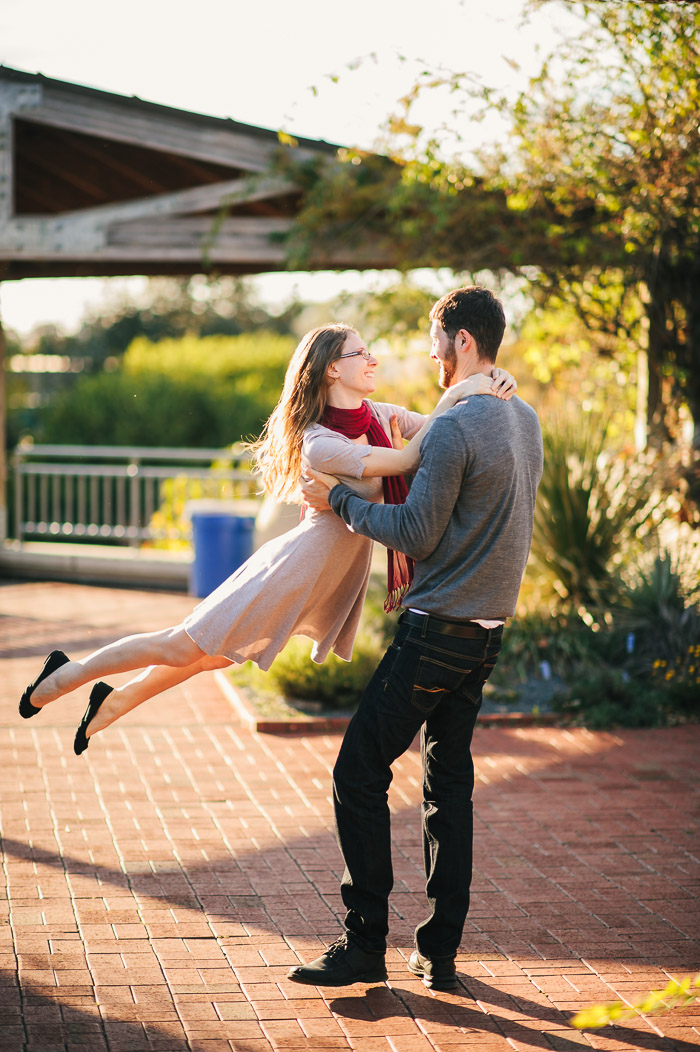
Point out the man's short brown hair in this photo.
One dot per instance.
(478, 311)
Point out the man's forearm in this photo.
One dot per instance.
(393, 525)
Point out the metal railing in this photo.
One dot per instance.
(121, 494)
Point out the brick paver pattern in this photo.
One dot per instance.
(159, 887)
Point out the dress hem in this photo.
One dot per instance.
(240, 659)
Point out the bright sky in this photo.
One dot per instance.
(270, 63)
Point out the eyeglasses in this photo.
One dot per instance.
(354, 354)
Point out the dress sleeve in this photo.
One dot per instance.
(324, 450)
(409, 423)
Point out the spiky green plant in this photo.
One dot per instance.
(593, 505)
(660, 604)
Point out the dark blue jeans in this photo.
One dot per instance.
(430, 682)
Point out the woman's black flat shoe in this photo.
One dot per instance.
(97, 695)
(55, 659)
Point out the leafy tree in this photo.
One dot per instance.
(555, 349)
(218, 306)
(612, 154)
(594, 199)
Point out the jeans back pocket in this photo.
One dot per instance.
(434, 678)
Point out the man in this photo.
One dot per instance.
(467, 522)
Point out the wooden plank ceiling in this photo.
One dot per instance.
(93, 183)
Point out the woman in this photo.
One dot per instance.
(310, 581)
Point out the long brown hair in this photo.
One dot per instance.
(277, 453)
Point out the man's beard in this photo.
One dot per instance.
(448, 366)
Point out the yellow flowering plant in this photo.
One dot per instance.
(677, 994)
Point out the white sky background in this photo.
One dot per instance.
(259, 63)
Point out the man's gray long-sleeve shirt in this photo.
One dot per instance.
(468, 518)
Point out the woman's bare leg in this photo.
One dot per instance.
(172, 647)
(146, 685)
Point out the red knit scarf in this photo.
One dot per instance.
(355, 422)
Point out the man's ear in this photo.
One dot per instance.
(465, 342)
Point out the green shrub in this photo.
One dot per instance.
(605, 697)
(638, 666)
(563, 640)
(335, 683)
(660, 600)
(189, 392)
(681, 681)
(659, 604)
(216, 357)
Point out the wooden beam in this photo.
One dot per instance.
(82, 234)
(46, 239)
(370, 259)
(189, 240)
(242, 238)
(112, 119)
(12, 98)
(209, 198)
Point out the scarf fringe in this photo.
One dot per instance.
(393, 599)
(399, 578)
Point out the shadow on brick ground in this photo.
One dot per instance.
(569, 868)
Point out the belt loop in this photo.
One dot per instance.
(424, 626)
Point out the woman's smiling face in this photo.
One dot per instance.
(353, 372)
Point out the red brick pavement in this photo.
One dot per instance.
(159, 887)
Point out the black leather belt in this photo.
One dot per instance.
(431, 623)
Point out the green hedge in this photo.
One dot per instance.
(188, 392)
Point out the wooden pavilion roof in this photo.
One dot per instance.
(93, 183)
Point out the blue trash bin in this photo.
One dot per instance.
(222, 535)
